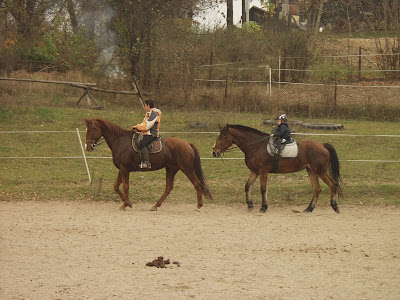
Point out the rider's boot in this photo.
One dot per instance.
(145, 159)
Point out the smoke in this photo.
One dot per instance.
(96, 18)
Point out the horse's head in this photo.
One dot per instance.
(93, 134)
(224, 141)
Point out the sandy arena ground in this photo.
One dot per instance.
(83, 250)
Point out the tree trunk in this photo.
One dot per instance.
(72, 15)
(320, 10)
(147, 49)
(229, 13)
(244, 12)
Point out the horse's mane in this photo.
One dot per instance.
(113, 128)
(248, 129)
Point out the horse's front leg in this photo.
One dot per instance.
(124, 174)
(248, 187)
(263, 184)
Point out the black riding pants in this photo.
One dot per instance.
(147, 139)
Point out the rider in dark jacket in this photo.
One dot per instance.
(282, 131)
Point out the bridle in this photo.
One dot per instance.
(94, 142)
(101, 140)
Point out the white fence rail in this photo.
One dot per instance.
(84, 157)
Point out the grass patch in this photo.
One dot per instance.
(61, 178)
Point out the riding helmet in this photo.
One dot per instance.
(282, 117)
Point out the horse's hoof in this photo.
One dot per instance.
(250, 208)
(154, 208)
(130, 204)
(337, 210)
(122, 207)
(263, 210)
(197, 209)
(308, 210)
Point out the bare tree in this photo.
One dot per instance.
(229, 13)
(136, 22)
(28, 15)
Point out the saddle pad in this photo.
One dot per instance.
(290, 150)
(156, 145)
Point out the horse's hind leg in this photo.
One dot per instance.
(197, 185)
(316, 189)
(332, 186)
(248, 187)
(116, 186)
(171, 172)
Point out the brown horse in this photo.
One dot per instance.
(176, 154)
(313, 156)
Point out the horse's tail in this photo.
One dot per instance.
(334, 167)
(199, 173)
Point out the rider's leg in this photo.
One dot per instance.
(147, 139)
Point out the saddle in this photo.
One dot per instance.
(154, 147)
(285, 150)
(277, 149)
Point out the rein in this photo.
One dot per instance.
(234, 148)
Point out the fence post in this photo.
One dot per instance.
(335, 95)
(270, 82)
(279, 71)
(84, 156)
(359, 63)
(211, 68)
(226, 90)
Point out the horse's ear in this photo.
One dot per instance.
(86, 120)
(219, 126)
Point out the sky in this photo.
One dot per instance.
(215, 16)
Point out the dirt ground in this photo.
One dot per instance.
(86, 250)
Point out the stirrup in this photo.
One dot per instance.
(145, 165)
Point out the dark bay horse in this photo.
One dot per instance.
(176, 154)
(313, 156)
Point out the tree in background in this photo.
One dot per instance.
(37, 36)
(386, 19)
(137, 24)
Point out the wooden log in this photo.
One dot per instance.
(118, 92)
(139, 93)
(80, 84)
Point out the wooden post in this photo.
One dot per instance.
(139, 93)
(347, 59)
(279, 72)
(226, 90)
(211, 62)
(88, 98)
(335, 95)
(359, 63)
(270, 82)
